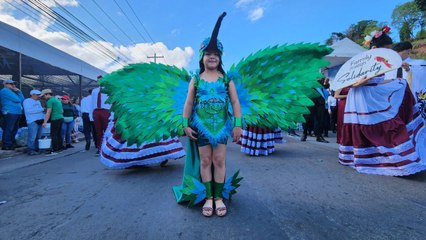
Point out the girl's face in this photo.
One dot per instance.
(211, 60)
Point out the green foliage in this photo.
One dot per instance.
(335, 37)
(407, 17)
(421, 4)
(421, 34)
(405, 32)
(357, 32)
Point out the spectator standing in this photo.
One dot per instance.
(332, 111)
(11, 99)
(77, 120)
(70, 114)
(54, 113)
(88, 123)
(100, 114)
(34, 114)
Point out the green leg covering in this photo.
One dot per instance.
(208, 189)
(217, 190)
(192, 168)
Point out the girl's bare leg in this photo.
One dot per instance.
(206, 175)
(219, 174)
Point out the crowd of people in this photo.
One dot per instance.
(59, 115)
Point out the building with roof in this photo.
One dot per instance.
(34, 64)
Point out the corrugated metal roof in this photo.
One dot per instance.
(19, 41)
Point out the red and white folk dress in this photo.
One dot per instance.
(116, 154)
(383, 132)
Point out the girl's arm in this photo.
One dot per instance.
(187, 109)
(361, 82)
(237, 131)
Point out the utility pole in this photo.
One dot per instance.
(155, 57)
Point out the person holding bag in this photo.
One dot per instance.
(34, 114)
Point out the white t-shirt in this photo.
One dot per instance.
(86, 106)
(331, 102)
(33, 110)
(104, 97)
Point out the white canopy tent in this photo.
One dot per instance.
(343, 50)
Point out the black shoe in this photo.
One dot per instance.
(7, 148)
(87, 146)
(97, 153)
(69, 146)
(303, 138)
(164, 163)
(321, 139)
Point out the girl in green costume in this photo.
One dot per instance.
(207, 122)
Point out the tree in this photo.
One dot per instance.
(357, 32)
(409, 16)
(421, 4)
(405, 33)
(335, 37)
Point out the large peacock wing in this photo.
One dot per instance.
(147, 100)
(273, 84)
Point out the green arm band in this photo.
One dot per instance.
(185, 122)
(238, 122)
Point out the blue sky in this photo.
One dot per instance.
(178, 27)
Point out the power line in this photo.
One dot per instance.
(106, 14)
(88, 28)
(143, 26)
(77, 32)
(46, 11)
(96, 19)
(51, 27)
(128, 19)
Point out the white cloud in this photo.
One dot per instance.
(241, 3)
(86, 52)
(139, 53)
(256, 14)
(52, 3)
(254, 8)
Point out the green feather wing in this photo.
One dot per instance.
(147, 100)
(273, 84)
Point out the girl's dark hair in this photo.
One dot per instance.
(220, 67)
(381, 41)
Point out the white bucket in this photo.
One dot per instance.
(44, 143)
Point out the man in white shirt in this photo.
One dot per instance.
(34, 113)
(100, 114)
(88, 123)
(332, 111)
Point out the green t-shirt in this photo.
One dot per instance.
(56, 107)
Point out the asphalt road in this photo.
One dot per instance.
(298, 192)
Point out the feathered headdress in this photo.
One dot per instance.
(212, 43)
